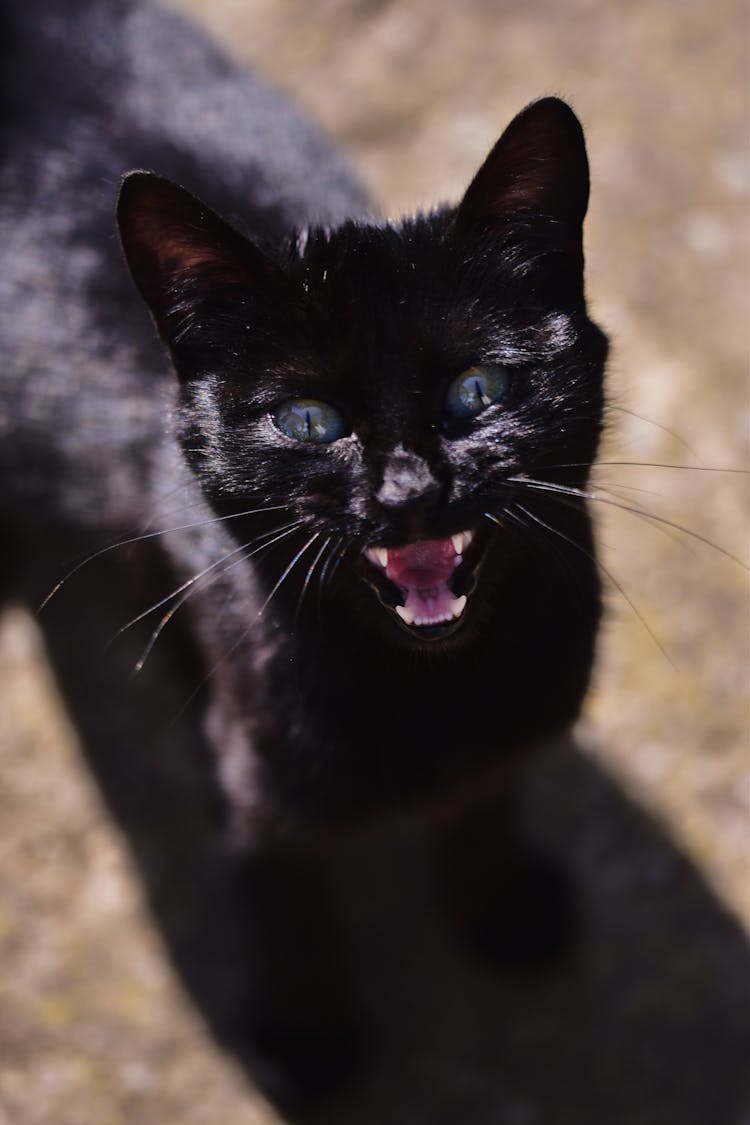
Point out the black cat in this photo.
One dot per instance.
(364, 584)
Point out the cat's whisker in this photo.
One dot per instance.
(614, 490)
(196, 577)
(665, 531)
(154, 509)
(232, 648)
(659, 426)
(152, 535)
(610, 486)
(308, 577)
(548, 544)
(322, 577)
(168, 598)
(610, 577)
(340, 555)
(193, 586)
(173, 610)
(325, 566)
(288, 569)
(651, 465)
(657, 526)
(159, 514)
(214, 668)
(561, 490)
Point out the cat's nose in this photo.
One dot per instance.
(408, 489)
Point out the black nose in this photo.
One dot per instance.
(408, 490)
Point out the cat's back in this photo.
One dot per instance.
(89, 90)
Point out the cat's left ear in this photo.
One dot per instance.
(537, 170)
(179, 250)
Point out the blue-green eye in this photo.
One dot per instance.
(305, 419)
(474, 390)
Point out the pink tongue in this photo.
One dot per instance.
(422, 569)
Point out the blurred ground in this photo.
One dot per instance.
(417, 90)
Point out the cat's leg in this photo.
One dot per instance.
(302, 1023)
(511, 901)
(250, 930)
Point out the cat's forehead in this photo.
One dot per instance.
(401, 284)
(383, 258)
(376, 302)
(407, 293)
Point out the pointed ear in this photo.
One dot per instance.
(538, 168)
(179, 251)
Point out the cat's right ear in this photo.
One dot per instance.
(538, 171)
(179, 251)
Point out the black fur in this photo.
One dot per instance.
(316, 705)
(377, 320)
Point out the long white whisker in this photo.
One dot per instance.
(196, 577)
(659, 426)
(287, 571)
(586, 494)
(549, 544)
(327, 563)
(324, 569)
(655, 523)
(173, 610)
(153, 535)
(339, 559)
(651, 465)
(611, 577)
(610, 486)
(308, 576)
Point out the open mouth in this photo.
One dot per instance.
(425, 583)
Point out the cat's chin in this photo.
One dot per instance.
(426, 585)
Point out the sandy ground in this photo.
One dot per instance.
(652, 1024)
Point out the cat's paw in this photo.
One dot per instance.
(534, 921)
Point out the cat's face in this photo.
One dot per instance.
(382, 384)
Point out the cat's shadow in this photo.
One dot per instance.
(648, 1023)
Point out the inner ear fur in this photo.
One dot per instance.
(170, 237)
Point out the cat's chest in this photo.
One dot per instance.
(357, 736)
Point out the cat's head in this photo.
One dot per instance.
(382, 384)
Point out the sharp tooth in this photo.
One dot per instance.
(457, 605)
(406, 615)
(468, 536)
(458, 543)
(377, 555)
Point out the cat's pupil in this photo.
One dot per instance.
(480, 393)
(476, 389)
(309, 420)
